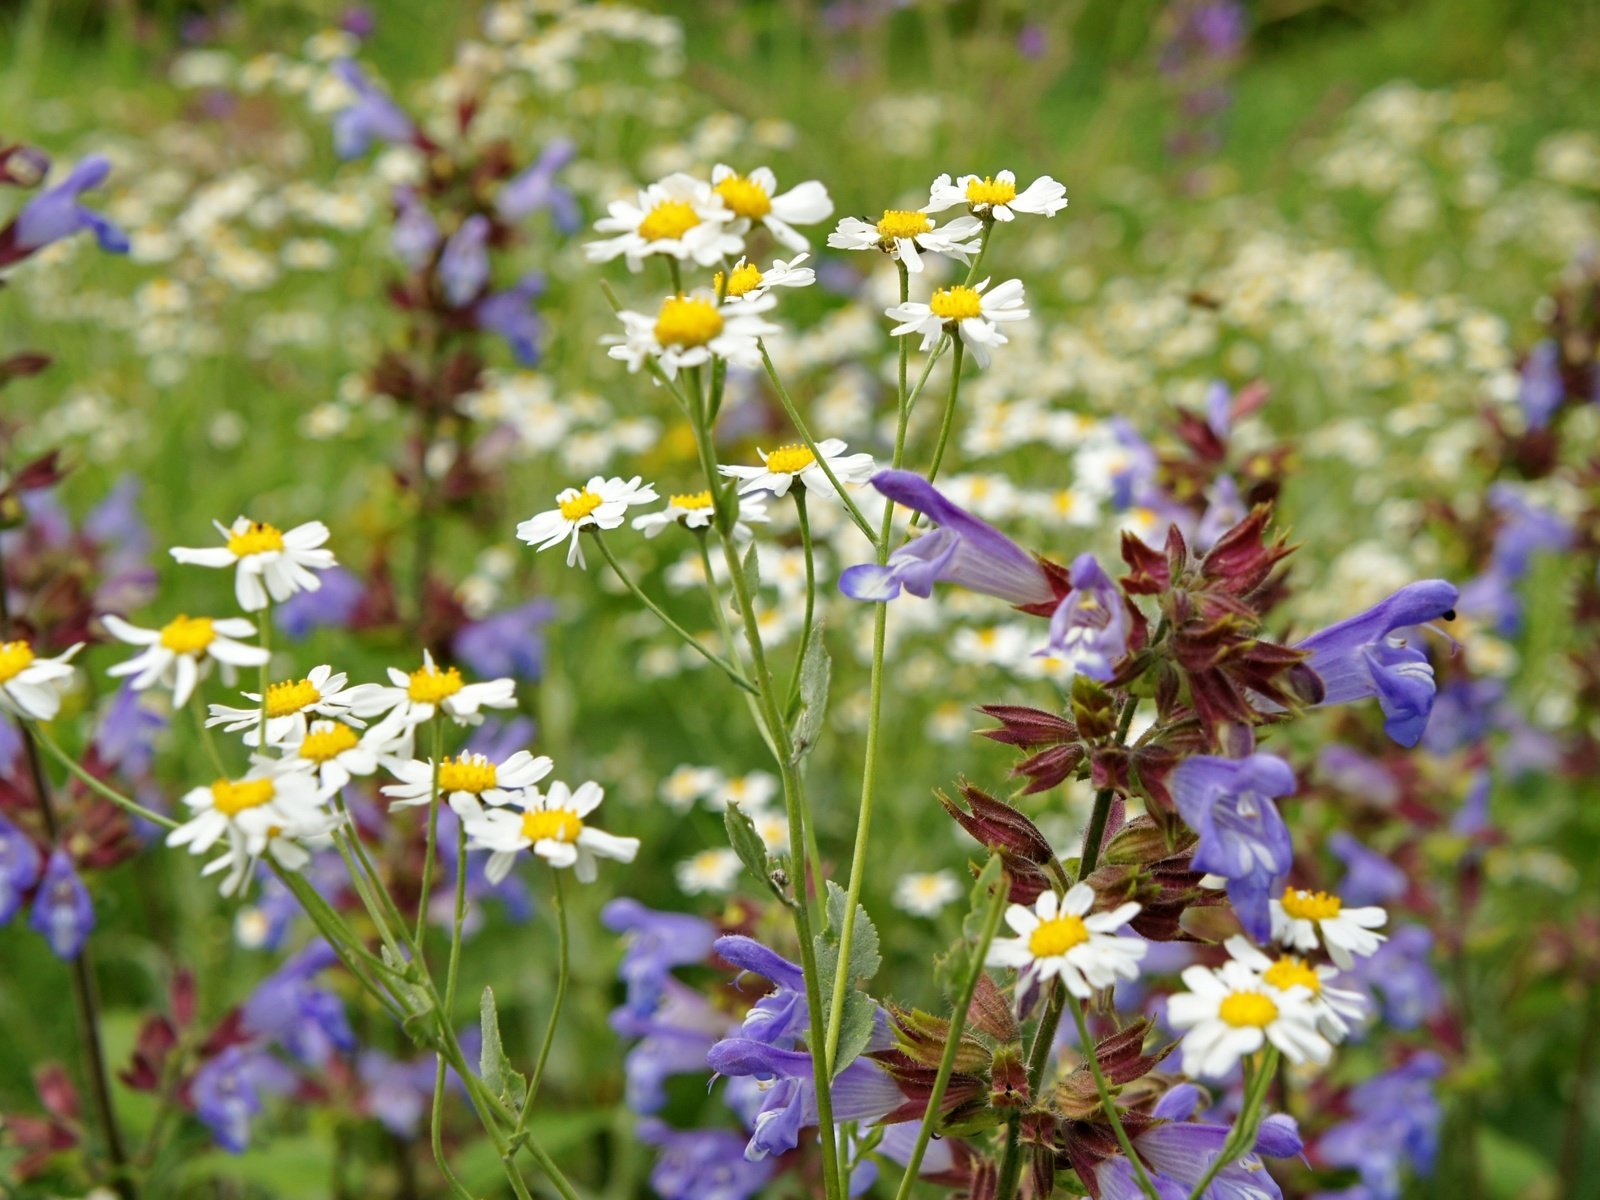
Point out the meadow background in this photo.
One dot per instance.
(1368, 221)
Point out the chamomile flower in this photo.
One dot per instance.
(259, 814)
(180, 652)
(971, 312)
(904, 234)
(997, 196)
(690, 330)
(679, 216)
(1337, 1009)
(925, 893)
(688, 784)
(335, 752)
(693, 510)
(1061, 938)
(552, 825)
(270, 562)
(415, 697)
(752, 791)
(783, 466)
(1300, 917)
(600, 504)
(746, 282)
(291, 703)
(31, 686)
(467, 781)
(754, 199)
(712, 872)
(1232, 1011)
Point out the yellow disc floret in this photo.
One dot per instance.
(745, 197)
(323, 745)
(1289, 972)
(687, 321)
(469, 773)
(898, 223)
(956, 303)
(429, 685)
(987, 191)
(231, 799)
(15, 658)
(668, 221)
(575, 508)
(1057, 936)
(256, 538)
(1310, 906)
(291, 696)
(744, 279)
(551, 825)
(694, 501)
(188, 635)
(790, 460)
(1248, 1009)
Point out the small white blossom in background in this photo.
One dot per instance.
(711, 872)
(926, 893)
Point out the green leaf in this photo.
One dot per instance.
(952, 967)
(752, 569)
(747, 844)
(493, 1065)
(860, 1013)
(815, 669)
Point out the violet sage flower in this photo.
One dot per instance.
(656, 943)
(1542, 389)
(535, 187)
(1229, 803)
(702, 1164)
(370, 116)
(1395, 1124)
(288, 1007)
(673, 1040)
(511, 315)
(62, 911)
(464, 261)
(1371, 878)
(19, 868)
(226, 1093)
(55, 214)
(1089, 629)
(416, 233)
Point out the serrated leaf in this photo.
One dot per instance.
(815, 671)
(752, 569)
(747, 844)
(860, 1011)
(493, 1065)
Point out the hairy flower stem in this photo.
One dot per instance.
(1108, 1103)
(958, 350)
(1257, 1079)
(958, 1023)
(563, 970)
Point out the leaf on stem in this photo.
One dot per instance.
(860, 1013)
(815, 669)
(747, 844)
(503, 1079)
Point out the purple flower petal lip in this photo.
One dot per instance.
(1279, 1137)
(657, 942)
(1089, 628)
(1333, 650)
(55, 213)
(702, 1164)
(750, 955)
(1229, 803)
(1177, 1103)
(62, 911)
(1116, 1181)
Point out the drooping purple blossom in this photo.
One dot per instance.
(126, 736)
(1089, 629)
(371, 116)
(506, 643)
(332, 606)
(62, 914)
(19, 868)
(1401, 973)
(1370, 877)
(55, 214)
(289, 1008)
(1395, 1125)
(227, 1093)
(656, 943)
(464, 261)
(511, 315)
(535, 187)
(702, 1164)
(1229, 803)
(673, 1039)
(780, 1017)
(397, 1093)
(416, 234)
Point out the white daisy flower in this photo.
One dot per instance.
(925, 893)
(1232, 1011)
(260, 814)
(693, 510)
(467, 781)
(687, 785)
(601, 503)
(1060, 938)
(969, 311)
(179, 653)
(903, 234)
(291, 703)
(773, 830)
(752, 791)
(1346, 933)
(336, 753)
(782, 466)
(997, 195)
(711, 872)
(746, 282)
(30, 686)
(551, 824)
(679, 216)
(271, 562)
(1337, 1009)
(690, 330)
(754, 199)
(414, 698)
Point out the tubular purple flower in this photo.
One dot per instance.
(535, 187)
(702, 1164)
(19, 868)
(657, 942)
(464, 262)
(126, 736)
(1542, 389)
(55, 214)
(778, 1018)
(416, 233)
(1369, 655)
(512, 316)
(1229, 803)
(1089, 628)
(226, 1093)
(673, 1040)
(963, 550)
(62, 912)
(372, 116)
(1370, 877)
(306, 1020)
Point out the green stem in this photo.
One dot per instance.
(1107, 1103)
(457, 1188)
(1096, 833)
(1575, 1134)
(958, 351)
(198, 708)
(454, 964)
(431, 834)
(799, 494)
(562, 974)
(1044, 1040)
(1248, 1122)
(95, 785)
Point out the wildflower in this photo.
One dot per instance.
(779, 1018)
(507, 643)
(926, 893)
(963, 550)
(55, 214)
(688, 784)
(289, 1008)
(746, 281)
(679, 216)
(19, 868)
(689, 330)
(1394, 1124)
(1061, 938)
(178, 654)
(226, 1092)
(970, 312)
(290, 705)
(417, 696)
(270, 562)
(535, 187)
(1337, 1009)
(552, 825)
(334, 752)
(781, 467)
(511, 316)
(673, 1039)
(996, 196)
(1403, 978)
(62, 912)
(1370, 876)
(371, 116)
(710, 871)
(754, 198)
(416, 233)
(752, 791)
(656, 942)
(464, 261)
(396, 1093)
(693, 510)
(126, 736)
(1299, 917)
(1229, 803)
(702, 1164)
(1089, 629)
(905, 234)
(1231, 1012)
(467, 781)
(31, 687)
(1370, 655)
(599, 504)
(1542, 389)
(335, 605)
(259, 814)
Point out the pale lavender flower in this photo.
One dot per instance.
(535, 187)
(19, 868)
(702, 1164)
(1229, 803)
(416, 233)
(308, 1021)
(1089, 629)
(227, 1090)
(1371, 878)
(55, 214)
(1542, 389)
(332, 606)
(1395, 1124)
(511, 315)
(1401, 973)
(126, 736)
(464, 261)
(396, 1093)
(506, 643)
(673, 1039)
(62, 911)
(371, 116)
(656, 943)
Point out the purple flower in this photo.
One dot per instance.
(673, 1040)
(963, 550)
(19, 868)
(1371, 878)
(226, 1093)
(1219, 409)
(1472, 818)
(535, 187)
(1396, 1124)
(702, 1164)
(1358, 774)
(1401, 973)
(332, 606)
(780, 1017)
(55, 214)
(464, 262)
(371, 116)
(1369, 655)
(1134, 480)
(657, 942)
(1542, 390)
(306, 1020)
(396, 1093)
(506, 643)
(416, 233)
(126, 737)
(511, 315)
(1089, 628)
(62, 912)
(1524, 528)
(1229, 803)
(10, 748)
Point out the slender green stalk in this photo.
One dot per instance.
(198, 708)
(459, 920)
(958, 350)
(457, 1188)
(1576, 1131)
(1044, 1040)
(95, 785)
(1247, 1123)
(1108, 1103)
(793, 690)
(563, 970)
(431, 834)
(958, 1023)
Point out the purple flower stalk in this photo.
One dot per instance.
(1089, 628)
(372, 116)
(55, 214)
(1229, 803)
(62, 911)
(535, 188)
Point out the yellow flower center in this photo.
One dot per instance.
(230, 798)
(1242, 1009)
(289, 697)
(1057, 936)
(575, 508)
(695, 501)
(956, 303)
(668, 221)
(1310, 906)
(687, 321)
(899, 223)
(790, 460)
(746, 278)
(987, 191)
(429, 685)
(188, 635)
(15, 658)
(1289, 972)
(551, 825)
(323, 745)
(469, 773)
(745, 197)
(257, 538)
